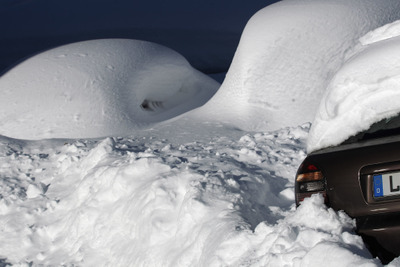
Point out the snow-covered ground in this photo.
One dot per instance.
(155, 199)
(193, 190)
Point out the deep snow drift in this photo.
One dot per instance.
(364, 91)
(287, 54)
(98, 88)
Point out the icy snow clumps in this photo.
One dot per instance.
(286, 57)
(364, 91)
(98, 88)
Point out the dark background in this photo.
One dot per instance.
(206, 32)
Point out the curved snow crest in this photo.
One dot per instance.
(98, 88)
(287, 55)
(364, 91)
(387, 31)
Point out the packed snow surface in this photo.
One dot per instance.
(287, 54)
(364, 91)
(98, 88)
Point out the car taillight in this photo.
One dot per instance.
(309, 181)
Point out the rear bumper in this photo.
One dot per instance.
(381, 232)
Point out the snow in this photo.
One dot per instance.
(362, 92)
(134, 186)
(149, 201)
(385, 32)
(97, 88)
(287, 54)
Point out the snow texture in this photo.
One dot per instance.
(98, 88)
(149, 201)
(286, 57)
(364, 91)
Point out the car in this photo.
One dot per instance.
(361, 176)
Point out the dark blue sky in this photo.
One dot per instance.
(206, 32)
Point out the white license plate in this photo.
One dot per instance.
(387, 184)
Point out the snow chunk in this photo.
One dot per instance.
(287, 54)
(98, 88)
(33, 191)
(364, 91)
(329, 220)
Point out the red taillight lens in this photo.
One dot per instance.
(312, 167)
(309, 181)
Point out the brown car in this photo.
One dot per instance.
(361, 177)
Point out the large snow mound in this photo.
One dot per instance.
(287, 54)
(98, 88)
(364, 91)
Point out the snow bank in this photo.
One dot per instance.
(364, 91)
(98, 88)
(147, 201)
(287, 54)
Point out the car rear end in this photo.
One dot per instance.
(363, 179)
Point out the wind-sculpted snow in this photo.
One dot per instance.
(146, 201)
(364, 91)
(98, 88)
(287, 55)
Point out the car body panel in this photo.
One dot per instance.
(348, 171)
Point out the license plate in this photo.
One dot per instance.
(387, 184)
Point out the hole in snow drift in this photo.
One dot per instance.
(150, 105)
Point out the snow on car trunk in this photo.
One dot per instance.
(364, 91)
